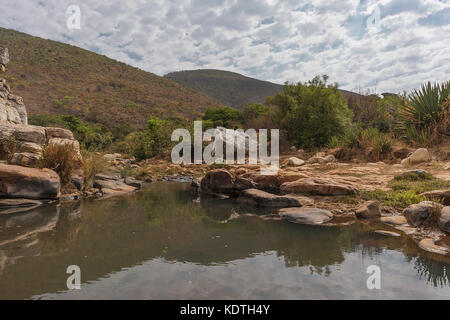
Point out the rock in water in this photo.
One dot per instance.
(416, 214)
(430, 246)
(28, 183)
(311, 216)
(260, 198)
(217, 182)
(444, 220)
(369, 210)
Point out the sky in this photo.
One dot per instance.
(364, 45)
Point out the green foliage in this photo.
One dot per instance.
(424, 118)
(311, 113)
(222, 117)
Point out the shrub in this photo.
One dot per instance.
(93, 163)
(61, 158)
(424, 118)
(222, 117)
(8, 146)
(311, 113)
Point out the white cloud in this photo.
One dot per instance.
(275, 40)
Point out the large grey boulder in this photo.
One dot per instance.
(28, 183)
(261, 198)
(419, 156)
(416, 214)
(311, 216)
(370, 209)
(444, 220)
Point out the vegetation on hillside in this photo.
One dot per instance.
(57, 78)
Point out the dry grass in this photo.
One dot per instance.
(63, 159)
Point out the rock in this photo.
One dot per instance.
(406, 229)
(217, 182)
(418, 156)
(401, 153)
(319, 160)
(442, 196)
(118, 187)
(4, 56)
(444, 220)
(59, 133)
(447, 166)
(267, 182)
(62, 142)
(284, 177)
(25, 133)
(29, 183)
(241, 171)
(25, 159)
(330, 158)
(29, 147)
(70, 197)
(104, 176)
(394, 220)
(295, 162)
(293, 149)
(78, 179)
(112, 157)
(241, 184)
(416, 214)
(133, 182)
(260, 198)
(318, 186)
(311, 216)
(414, 175)
(369, 210)
(387, 233)
(430, 246)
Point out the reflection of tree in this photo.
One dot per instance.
(436, 272)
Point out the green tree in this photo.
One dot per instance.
(311, 113)
(223, 117)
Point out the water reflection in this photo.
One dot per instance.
(164, 226)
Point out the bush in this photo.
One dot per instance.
(425, 118)
(93, 163)
(8, 146)
(311, 113)
(222, 117)
(63, 159)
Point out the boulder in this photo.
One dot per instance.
(442, 196)
(444, 220)
(241, 184)
(394, 220)
(29, 147)
(447, 166)
(295, 162)
(25, 159)
(369, 210)
(114, 185)
(217, 182)
(318, 186)
(261, 198)
(319, 160)
(284, 177)
(59, 133)
(29, 183)
(310, 216)
(419, 156)
(133, 182)
(416, 214)
(267, 182)
(28, 133)
(430, 246)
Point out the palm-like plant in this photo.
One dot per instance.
(424, 110)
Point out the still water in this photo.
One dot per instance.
(160, 244)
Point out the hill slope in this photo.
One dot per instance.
(58, 78)
(230, 88)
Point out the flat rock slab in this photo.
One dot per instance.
(430, 246)
(318, 186)
(310, 216)
(406, 229)
(10, 206)
(261, 198)
(28, 183)
(387, 233)
(394, 220)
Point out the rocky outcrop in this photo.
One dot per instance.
(310, 216)
(12, 108)
(419, 156)
(416, 214)
(318, 186)
(112, 185)
(28, 183)
(261, 198)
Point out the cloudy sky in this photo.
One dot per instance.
(385, 45)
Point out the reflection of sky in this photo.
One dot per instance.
(263, 276)
(276, 40)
